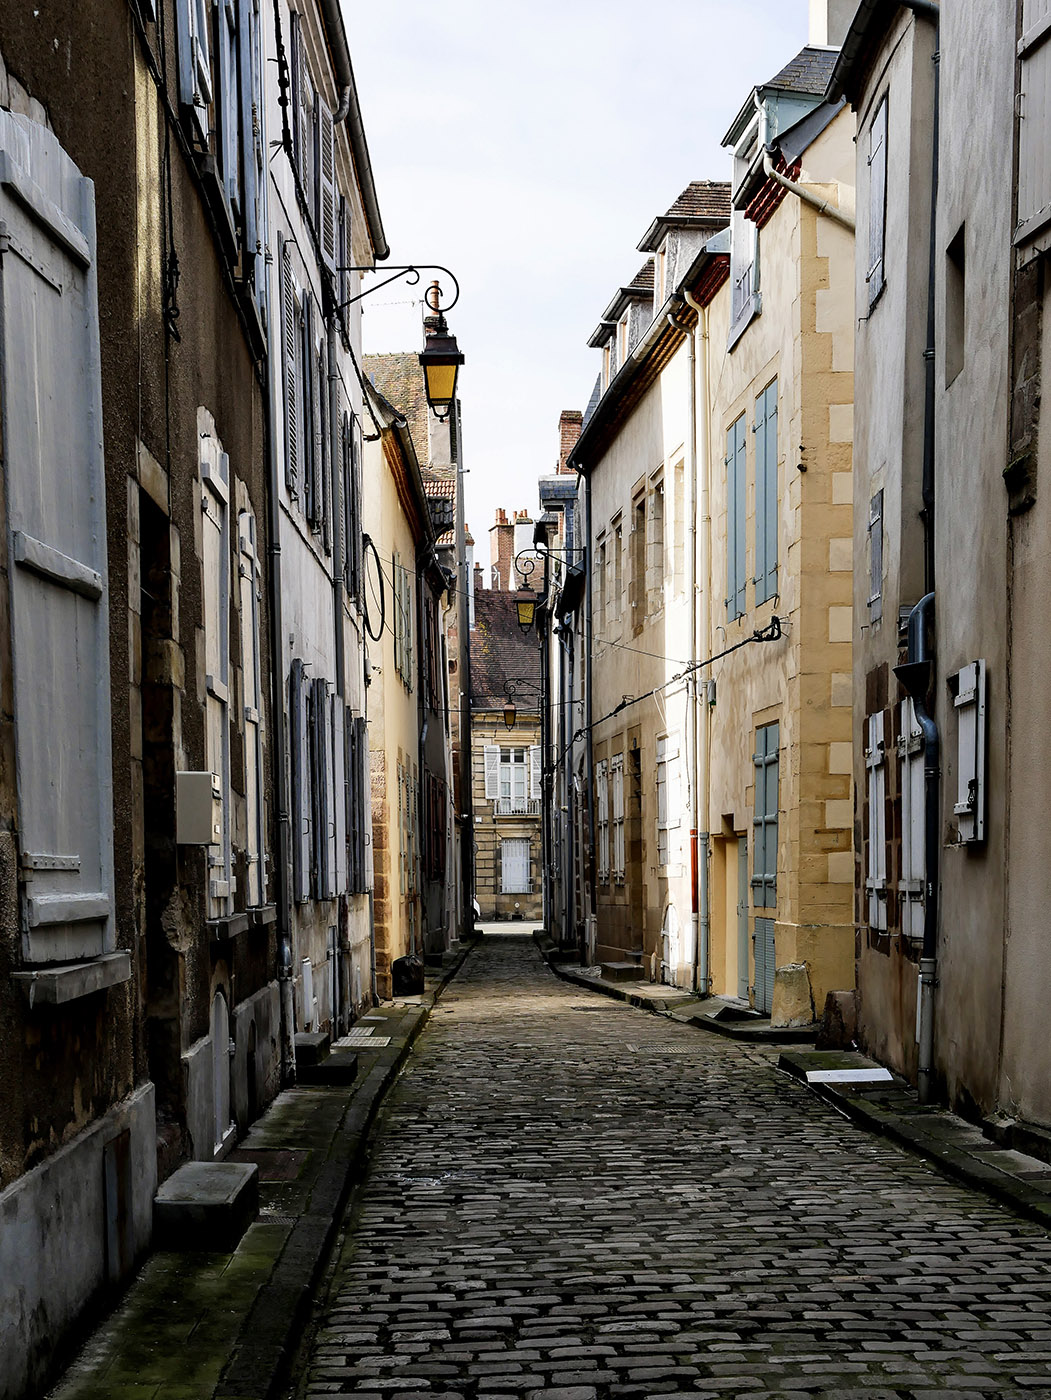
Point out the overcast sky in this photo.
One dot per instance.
(528, 147)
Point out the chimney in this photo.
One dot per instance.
(829, 22)
(502, 550)
(570, 423)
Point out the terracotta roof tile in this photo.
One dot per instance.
(703, 199)
(399, 378)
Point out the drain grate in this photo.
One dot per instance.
(660, 1049)
(589, 1008)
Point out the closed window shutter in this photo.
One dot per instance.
(1034, 117)
(877, 200)
(535, 771)
(876, 876)
(52, 445)
(295, 71)
(492, 772)
(251, 685)
(876, 557)
(253, 149)
(765, 816)
(766, 508)
(229, 103)
(195, 66)
(317, 423)
(325, 456)
(300, 763)
(290, 348)
(327, 225)
(969, 704)
(913, 823)
(735, 519)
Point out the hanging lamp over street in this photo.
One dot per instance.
(440, 357)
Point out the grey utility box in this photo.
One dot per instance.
(198, 809)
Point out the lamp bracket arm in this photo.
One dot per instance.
(411, 273)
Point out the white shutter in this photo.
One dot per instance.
(195, 68)
(876, 876)
(877, 200)
(52, 447)
(602, 818)
(492, 772)
(617, 771)
(535, 772)
(255, 832)
(215, 568)
(969, 703)
(1034, 116)
(327, 225)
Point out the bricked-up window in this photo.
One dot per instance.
(876, 557)
(877, 161)
(764, 817)
(876, 823)
(669, 801)
(602, 818)
(617, 777)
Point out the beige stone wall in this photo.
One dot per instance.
(488, 728)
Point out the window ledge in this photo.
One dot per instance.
(234, 925)
(53, 986)
(752, 308)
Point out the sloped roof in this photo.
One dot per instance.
(808, 73)
(501, 651)
(399, 378)
(643, 279)
(702, 199)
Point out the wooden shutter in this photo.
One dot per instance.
(535, 772)
(764, 816)
(765, 965)
(492, 772)
(735, 518)
(252, 690)
(50, 387)
(341, 785)
(766, 504)
(876, 866)
(875, 531)
(969, 704)
(300, 765)
(327, 223)
(290, 356)
(253, 148)
(911, 886)
(325, 454)
(195, 67)
(1034, 118)
(228, 105)
(216, 562)
(877, 200)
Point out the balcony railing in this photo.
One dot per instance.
(517, 806)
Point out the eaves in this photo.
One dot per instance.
(400, 454)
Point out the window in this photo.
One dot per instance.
(600, 585)
(618, 570)
(967, 688)
(876, 557)
(764, 817)
(215, 568)
(228, 105)
(322, 823)
(514, 866)
(302, 810)
(602, 818)
(744, 274)
(638, 563)
(679, 532)
(876, 835)
(358, 804)
(735, 519)
(1034, 101)
(766, 502)
(877, 201)
(250, 578)
(350, 445)
(913, 823)
(955, 306)
(195, 63)
(656, 548)
(617, 774)
(669, 800)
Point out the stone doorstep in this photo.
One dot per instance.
(622, 972)
(311, 1048)
(339, 1067)
(206, 1205)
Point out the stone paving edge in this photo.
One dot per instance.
(269, 1337)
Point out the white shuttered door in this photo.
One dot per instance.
(50, 385)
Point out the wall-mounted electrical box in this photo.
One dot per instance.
(198, 809)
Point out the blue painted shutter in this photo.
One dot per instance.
(195, 69)
(764, 817)
(736, 518)
(52, 448)
(766, 504)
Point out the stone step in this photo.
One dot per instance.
(206, 1205)
(311, 1048)
(339, 1066)
(622, 972)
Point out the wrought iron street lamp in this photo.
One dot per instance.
(440, 357)
(516, 686)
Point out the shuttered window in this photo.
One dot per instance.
(327, 212)
(764, 816)
(602, 818)
(228, 104)
(291, 350)
(535, 772)
(253, 143)
(766, 499)
(913, 822)
(403, 620)
(876, 557)
(215, 568)
(250, 581)
(1034, 118)
(877, 159)
(492, 772)
(322, 820)
(876, 826)
(52, 448)
(968, 691)
(735, 519)
(669, 799)
(195, 64)
(359, 805)
(302, 821)
(617, 778)
(514, 866)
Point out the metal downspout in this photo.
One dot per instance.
(698, 932)
(463, 624)
(589, 766)
(823, 206)
(335, 495)
(703, 600)
(282, 894)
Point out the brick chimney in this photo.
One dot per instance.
(570, 422)
(502, 550)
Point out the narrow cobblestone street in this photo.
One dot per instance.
(570, 1199)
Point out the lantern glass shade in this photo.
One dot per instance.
(440, 358)
(510, 714)
(526, 612)
(441, 383)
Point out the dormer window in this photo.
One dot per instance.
(744, 241)
(622, 340)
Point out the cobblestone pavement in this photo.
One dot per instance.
(572, 1200)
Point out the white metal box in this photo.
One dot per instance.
(198, 809)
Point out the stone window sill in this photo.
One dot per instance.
(234, 925)
(53, 986)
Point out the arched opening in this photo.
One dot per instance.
(221, 1044)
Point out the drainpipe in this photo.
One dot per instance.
(589, 766)
(698, 845)
(915, 677)
(703, 597)
(282, 893)
(928, 354)
(823, 206)
(335, 496)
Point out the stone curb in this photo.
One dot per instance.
(270, 1335)
(760, 1035)
(951, 1144)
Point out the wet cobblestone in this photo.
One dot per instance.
(570, 1206)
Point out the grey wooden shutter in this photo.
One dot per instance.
(228, 103)
(300, 766)
(311, 441)
(252, 690)
(1034, 117)
(195, 68)
(735, 518)
(765, 965)
(877, 200)
(253, 139)
(50, 387)
(324, 417)
(766, 505)
(327, 224)
(290, 348)
(764, 816)
(338, 731)
(875, 529)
